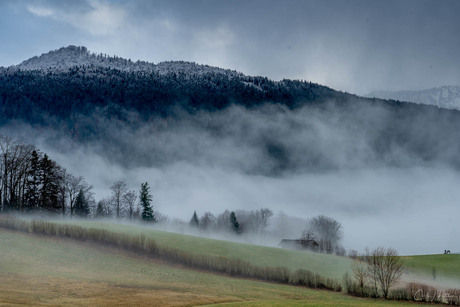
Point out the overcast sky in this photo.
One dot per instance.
(354, 46)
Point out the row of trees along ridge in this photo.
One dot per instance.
(31, 182)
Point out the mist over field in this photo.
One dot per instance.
(304, 162)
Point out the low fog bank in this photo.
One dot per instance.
(268, 140)
(441, 282)
(387, 191)
(413, 210)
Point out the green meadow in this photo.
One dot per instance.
(323, 264)
(42, 270)
(446, 267)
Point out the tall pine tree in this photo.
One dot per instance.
(50, 181)
(81, 205)
(234, 223)
(32, 197)
(195, 222)
(146, 198)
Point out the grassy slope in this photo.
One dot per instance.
(419, 268)
(39, 270)
(326, 265)
(447, 266)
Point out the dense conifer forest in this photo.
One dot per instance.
(90, 98)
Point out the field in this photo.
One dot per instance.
(37, 270)
(326, 265)
(446, 269)
(418, 267)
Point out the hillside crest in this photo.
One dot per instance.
(66, 58)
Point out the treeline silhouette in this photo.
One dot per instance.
(35, 95)
(30, 181)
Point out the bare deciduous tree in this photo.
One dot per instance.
(118, 190)
(73, 185)
(385, 268)
(207, 220)
(325, 230)
(103, 208)
(264, 216)
(14, 168)
(129, 199)
(223, 221)
(360, 272)
(308, 234)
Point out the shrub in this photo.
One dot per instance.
(453, 297)
(353, 288)
(303, 277)
(401, 294)
(11, 222)
(306, 278)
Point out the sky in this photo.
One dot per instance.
(354, 46)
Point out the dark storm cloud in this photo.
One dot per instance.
(356, 46)
(352, 45)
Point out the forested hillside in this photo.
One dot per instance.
(137, 113)
(35, 95)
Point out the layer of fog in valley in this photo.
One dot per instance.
(304, 162)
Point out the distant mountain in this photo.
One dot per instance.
(443, 97)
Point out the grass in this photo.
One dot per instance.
(37, 270)
(323, 264)
(418, 267)
(447, 266)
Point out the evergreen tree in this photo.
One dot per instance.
(195, 222)
(100, 210)
(146, 198)
(50, 182)
(234, 223)
(33, 183)
(81, 205)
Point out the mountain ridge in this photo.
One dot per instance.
(74, 58)
(66, 58)
(447, 96)
(87, 80)
(158, 116)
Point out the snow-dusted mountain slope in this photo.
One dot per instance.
(65, 58)
(447, 97)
